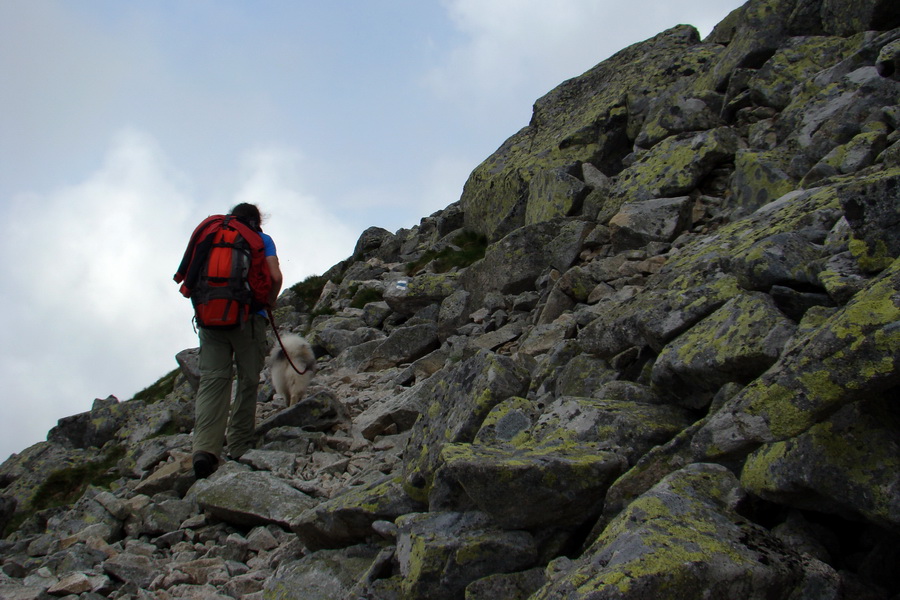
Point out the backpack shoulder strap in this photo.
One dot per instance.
(202, 231)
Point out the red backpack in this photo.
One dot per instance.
(224, 272)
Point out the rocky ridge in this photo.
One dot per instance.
(672, 373)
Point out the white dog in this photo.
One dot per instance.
(290, 384)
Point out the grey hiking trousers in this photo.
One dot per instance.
(215, 413)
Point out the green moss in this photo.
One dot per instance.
(159, 390)
(468, 247)
(366, 296)
(308, 292)
(65, 486)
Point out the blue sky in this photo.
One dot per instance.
(124, 123)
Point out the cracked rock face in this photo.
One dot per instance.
(668, 368)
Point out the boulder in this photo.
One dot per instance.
(403, 345)
(321, 411)
(628, 428)
(853, 355)
(441, 553)
(676, 165)
(323, 575)
(656, 220)
(347, 519)
(533, 486)
(250, 498)
(849, 465)
(750, 333)
(463, 396)
(684, 538)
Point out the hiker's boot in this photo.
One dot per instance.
(205, 464)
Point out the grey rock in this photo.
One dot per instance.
(441, 553)
(751, 334)
(699, 497)
(654, 220)
(320, 411)
(189, 362)
(348, 518)
(253, 498)
(403, 345)
(132, 568)
(323, 575)
(463, 397)
(542, 485)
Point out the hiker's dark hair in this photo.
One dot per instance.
(249, 214)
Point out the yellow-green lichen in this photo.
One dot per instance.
(871, 260)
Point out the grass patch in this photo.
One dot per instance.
(363, 297)
(159, 390)
(308, 292)
(468, 247)
(67, 485)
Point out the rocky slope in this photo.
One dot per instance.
(671, 373)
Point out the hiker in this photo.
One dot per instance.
(231, 320)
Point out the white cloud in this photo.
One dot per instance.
(514, 51)
(310, 239)
(89, 300)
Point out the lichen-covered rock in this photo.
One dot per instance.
(94, 428)
(682, 110)
(463, 396)
(509, 422)
(583, 375)
(347, 519)
(854, 354)
(593, 118)
(870, 205)
(793, 63)
(843, 19)
(684, 539)
(654, 318)
(554, 193)
(888, 63)
(323, 575)
(629, 428)
(848, 464)
(760, 177)
(830, 110)
(736, 343)
(676, 165)
(551, 484)
(440, 553)
(786, 259)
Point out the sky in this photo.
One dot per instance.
(124, 123)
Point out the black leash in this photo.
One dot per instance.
(280, 343)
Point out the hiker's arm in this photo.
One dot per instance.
(277, 278)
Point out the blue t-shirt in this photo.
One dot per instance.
(270, 245)
(270, 251)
